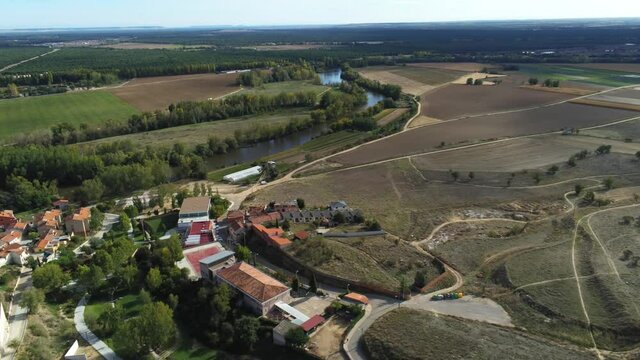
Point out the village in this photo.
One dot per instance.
(218, 251)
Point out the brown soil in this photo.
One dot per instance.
(426, 138)
(607, 104)
(562, 90)
(154, 93)
(454, 101)
(327, 341)
(466, 67)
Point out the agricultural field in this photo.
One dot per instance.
(396, 334)
(620, 67)
(287, 87)
(627, 131)
(600, 75)
(456, 66)
(414, 80)
(27, 115)
(157, 93)
(194, 134)
(470, 130)
(457, 101)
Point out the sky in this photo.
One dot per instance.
(18, 14)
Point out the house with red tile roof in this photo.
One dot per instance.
(200, 233)
(7, 219)
(272, 236)
(260, 292)
(236, 229)
(49, 243)
(79, 222)
(12, 237)
(13, 254)
(61, 204)
(355, 298)
(301, 235)
(261, 219)
(49, 220)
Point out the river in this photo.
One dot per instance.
(248, 154)
(332, 77)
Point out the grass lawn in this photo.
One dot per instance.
(169, 221)
(577, 74)
(25, 115)
(130, 303)
(192, 135)
(193, 351)
(286, 86)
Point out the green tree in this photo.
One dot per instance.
(156, 319)
(608, 183)
(533, 81)
(295, 284)
(372, 225)
(90, 191)
(49, 277)
(243, 253)
(589, 197)
(300, 203)
(144, 296)
(154, 279)
(104, 260)
(313, 285)
(420, 280)
(129, 275)
(286, 225)
(469, 81)
(296, 338)
(173, 301)
(454, 175)
(578, 189)
(13, 90)
(32, 299)
(129, 339)
(125, 222)
(471, 175)
(404, 286)
(246, 332)
(111, 318)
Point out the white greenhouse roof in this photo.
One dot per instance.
(243, 174)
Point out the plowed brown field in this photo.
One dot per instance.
(155, 93)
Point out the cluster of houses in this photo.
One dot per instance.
(51, 228)
(255, 218)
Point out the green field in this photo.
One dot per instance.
(577, 74)
(26, 115)
(192, 135)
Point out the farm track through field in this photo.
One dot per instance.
(27, 60)
(544, 282)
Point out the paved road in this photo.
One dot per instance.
(17, 314)
(102, 348)
(107, 223)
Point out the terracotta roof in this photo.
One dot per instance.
(7, 213)
(311, 323)
(20, 226)
(265, 218)
(195, 204)
(236, 225)
(357, 298)
(199, 227)
(302, 235)
(49, 218)
(252, 281)
(60, 202)
(279, 241)
(236, 214)
(50, 236)
(11, 236)
(81, 215)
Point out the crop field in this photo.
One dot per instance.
(600, 76)
(518, 154)
(26, 115)
(461, 66)
(623, 131)
(395, 336)
(413, 80)
(287, 87)
(629, 68)
(194, 134)
(428, 138)
(455, 101)
(157, 93)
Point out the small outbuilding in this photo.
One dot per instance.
(241, 175)
(355, 298)
(280, 332)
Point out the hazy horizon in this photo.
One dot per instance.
(67, 14)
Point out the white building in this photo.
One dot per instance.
(241, 175)
(194, 209)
